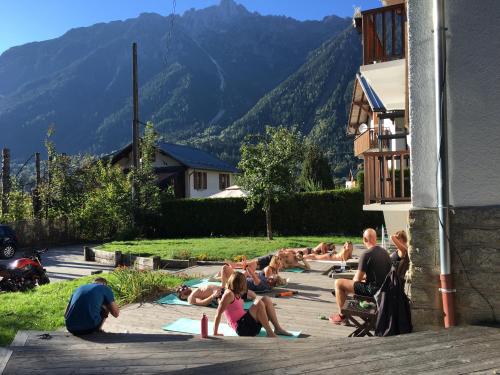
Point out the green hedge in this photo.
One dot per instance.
(327, 212)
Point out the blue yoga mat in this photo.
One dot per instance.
(196, 283)
(172, 299)
(192, 326)
(296, 270)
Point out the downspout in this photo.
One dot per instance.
(447, 290)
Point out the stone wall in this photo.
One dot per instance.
(475, 255)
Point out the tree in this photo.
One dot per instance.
(316, 172)
(270, 165)
(148, 193)
(106, 209)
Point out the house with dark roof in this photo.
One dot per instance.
(193, 173)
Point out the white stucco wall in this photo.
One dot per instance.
(162, 160)
(421, 104)
(473, 84)
(473, 106)
(212, 184)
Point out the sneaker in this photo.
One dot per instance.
(338, 319)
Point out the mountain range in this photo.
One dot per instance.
(206, 78)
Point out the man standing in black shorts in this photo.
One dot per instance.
(374, 265)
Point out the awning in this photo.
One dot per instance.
(378, 88)
(230, 192)
(388, 81)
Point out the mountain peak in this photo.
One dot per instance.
(231, 8)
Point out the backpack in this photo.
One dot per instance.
(394, 314)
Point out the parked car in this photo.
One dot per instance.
(8, 241)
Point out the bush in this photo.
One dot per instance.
(327, 212)
(131, 285)
(360, 180)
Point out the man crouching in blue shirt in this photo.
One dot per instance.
(89, 306)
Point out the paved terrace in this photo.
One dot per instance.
(135, 343)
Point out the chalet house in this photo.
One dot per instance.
(377, 117)
(193, 173)
(425, 112)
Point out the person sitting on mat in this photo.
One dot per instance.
(89, 306)
(400, 258)
(374, 265)
(344, 255)
(246, 323)
(205, 295)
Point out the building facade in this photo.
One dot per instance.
(396, 134)
(378, 114)
(471, 82)
(191, 172)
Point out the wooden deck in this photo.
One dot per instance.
(298, 313)
(134, 343)
(455, 351)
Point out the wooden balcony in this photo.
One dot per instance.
(387, 176)
(384, 34)
(369, 140)
(364, 142)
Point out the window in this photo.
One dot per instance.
(200, 180)
(223, 181)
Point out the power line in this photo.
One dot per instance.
(170, 33)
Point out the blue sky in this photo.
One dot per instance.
(23, 21)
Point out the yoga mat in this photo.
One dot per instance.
(335, 262)
(172, 299)
(192, 326)
(196, 283)
(295, 270)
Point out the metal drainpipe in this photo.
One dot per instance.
(447, 291)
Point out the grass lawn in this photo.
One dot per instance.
(43, 308)
(219, 248)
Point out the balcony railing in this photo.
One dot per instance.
(369, 140)
(387, 176)
(384, 34)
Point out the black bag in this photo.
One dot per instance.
(394, 315)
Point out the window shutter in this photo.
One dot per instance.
(204, 180)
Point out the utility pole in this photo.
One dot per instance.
(135, 126)
(36, 190)
(5, 180)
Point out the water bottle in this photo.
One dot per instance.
(204, 327)
(342, 265)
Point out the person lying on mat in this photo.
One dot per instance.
(257, 281)
(374, 265)
(292, 259)
(257, 263)
(345, 254)
(205, 295)
(246, 323)
(321, 248)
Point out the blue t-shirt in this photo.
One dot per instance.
(262, 287)
(84, 311)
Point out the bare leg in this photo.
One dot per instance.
(342, 288)
(271, 313)
(251, 295)
(226, 272)
(258, 312)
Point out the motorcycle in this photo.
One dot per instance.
(24, 273)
